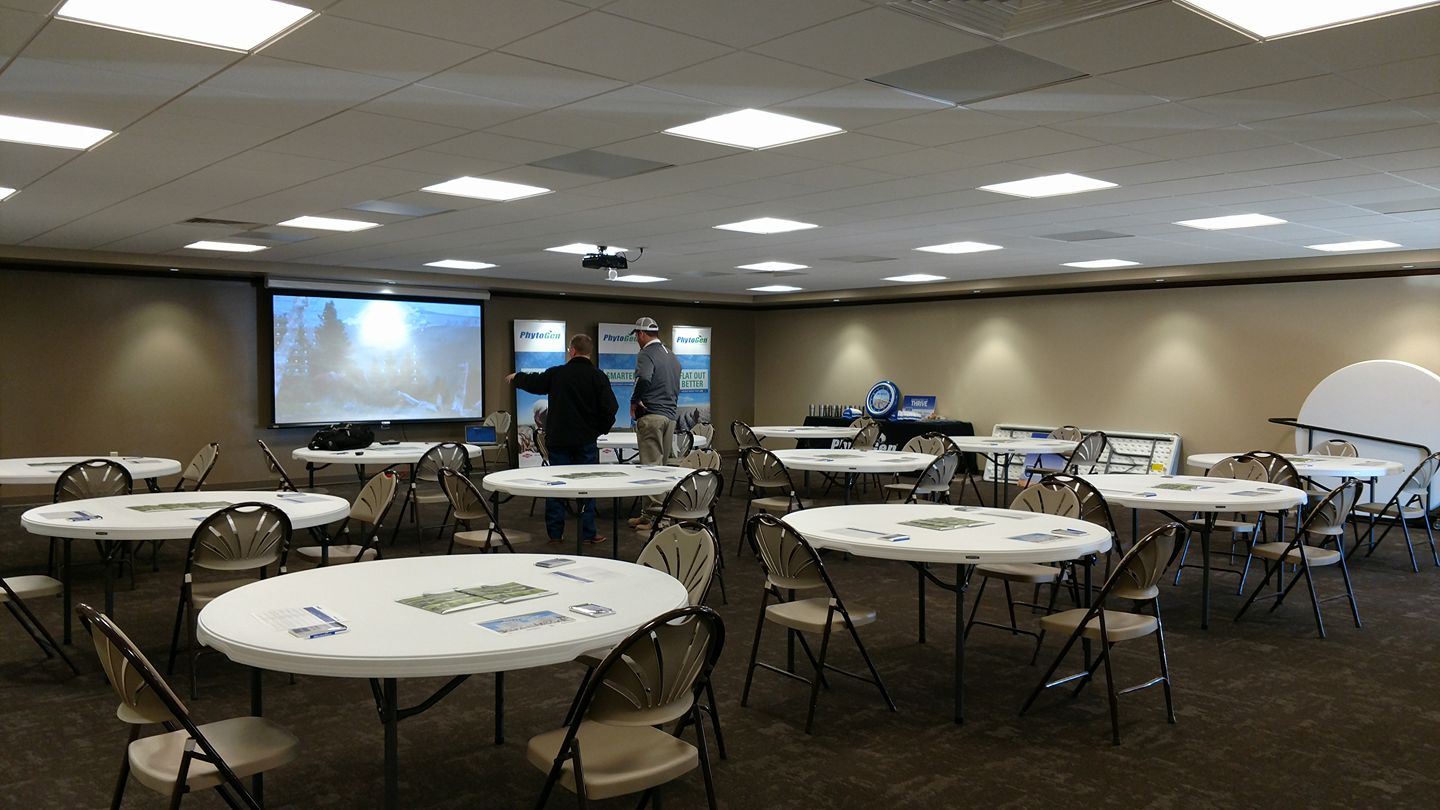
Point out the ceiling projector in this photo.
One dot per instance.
(604, 261)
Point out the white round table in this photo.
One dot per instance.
(627, 440)
(387, 641)
(44, 470)
(1188, 493)
(614, 481)
(852, 463)
(802, 432)
(132, 518)
(1000, 451)
(991, 539)
(384, 455)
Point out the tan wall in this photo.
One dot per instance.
(161, 365)
(1211, 364)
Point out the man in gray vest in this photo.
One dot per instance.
(653, 405)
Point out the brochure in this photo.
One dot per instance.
(298, 497)
(458, 599)
(180, 507)
(525, 621)
(854, 533)
(944, 524)
(586, 574)
(1034, 537)
(73, 517)
(595, 474)
(1182, 487)
(307, 622)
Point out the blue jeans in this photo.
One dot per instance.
(555, 508)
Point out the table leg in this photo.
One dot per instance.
(499, 708)
(153, 484)
(995, 479)
(257, 705)
(1205, 571)
(579, 527)
(389, 704)
(1005, 474)
(65, 580)
(615, 529)
(107, 553)
(959, 677)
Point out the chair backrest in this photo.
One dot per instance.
(375, 498)
(701, 459)
(199, 468)
(867, 437)
(790, 562)
(467, 502)
(704, 429)
(939, 474)
(445, 454)
(277, 472)
(501, 421)
(683, 444)
(242, 537)
(1087, 453)
(542, 446)
(933, 444)
(1049, 499)
(1093, 507)
(1067, 433)
(1241, 468)
(92, 478)
(1140, 569)
(693, 496)
(1335, 447)
(1417, 483)
(686, 551)
(655, 675)
(1278, 469)
(765, 469)
(1328, 517)
(742, 434)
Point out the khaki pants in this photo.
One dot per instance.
(656, 437)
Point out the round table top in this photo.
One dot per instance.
(997, 536)
(805, 431)
(135, 517)
(1006, 445)
(586, 480)
(854, 461)
(46, 469)
(1192, 493)
(626, 441)
(1323, 466)
(387, 454)
(390, 640)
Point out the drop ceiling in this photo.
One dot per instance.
(1337, 132)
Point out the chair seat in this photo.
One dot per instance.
(338, 553)
(1120, 626)
(1223, 525)
(775, 502)
(475, 538)
(32, 586)
(616, 759)
(1313, 554)
(808, 615)
(249, 745)
(1020, 572)
(203, 593)
(430, 497)
(679, 514)
(1122, 591)
(1389, 508)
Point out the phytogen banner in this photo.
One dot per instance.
(538, 346)
(616, 357)
(691, 345)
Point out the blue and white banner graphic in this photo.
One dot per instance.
(538, 346)
(691, 345)
(615, 355)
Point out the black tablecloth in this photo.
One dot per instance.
(894, 435)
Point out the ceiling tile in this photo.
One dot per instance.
(738, 23)
(746, 80)
(521, 81)
(72, 94)
(1081, 98)
(1412, 77)
(99, 48)
(1032, 142)
(644, 108)
(869, 43)
(484, 23)
(945, 126)
(1205, 142)
(846, 147)
(1146, 122)
(331, 41)
(23, 163)
(1381, 143)
(612, 46)
(1285, 99)
(433, 105)
(1345, 121)
(577, 131)
(670, 149)
(490, 146)
(359, 137)
(1222, 71)
(858, 105)
(1375, 42)
(274, 92)
(1157, 32)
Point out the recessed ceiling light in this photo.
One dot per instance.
(1363, 244)
(915, 278)
(1278, 18)
(481, 189)
(228, 247)
(753, 129)
(775, 288)
(1050, 185)
(635, 279)
(460, 264)
(959, 247)
(239, 25)
(1233, 221)
(329, 224)
(772, 267)
(50, 133)
(580, 249)
(6, 192)
(1097, 264)
(767, 225)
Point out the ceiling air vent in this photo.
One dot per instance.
(1003, 19)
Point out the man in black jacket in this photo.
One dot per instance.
(582, 407)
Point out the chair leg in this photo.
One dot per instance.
(1314, 598)
(713, 709)
(870, 664)
(1180, 566)
(1164, 665)
(819, 672)
(975, 606)
(1114, 698)
(754, 649)
(1045, 679)
(1269, 572)
(1349, 588)
(175, 634)
(35, 623)
(704, 758)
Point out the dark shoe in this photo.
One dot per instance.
(555, 541)
(596, 540)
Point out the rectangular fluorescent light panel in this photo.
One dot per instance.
(227, 247)
(767, 225)
(1278, 18)
(1364, 244)
(960, 247)
(1051, 185)
(481, 189)
(239, 25)
(915, 278)
(636, 279)
(753, 129)
(772, 267)
(580, 249)
(775, 288)
(1100, 264)
(1233, 221)
(460, 264)
(50, 133)
(6, 192)
(329, 224)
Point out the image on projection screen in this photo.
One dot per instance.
(375, 359)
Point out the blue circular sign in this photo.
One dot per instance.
(883, 400)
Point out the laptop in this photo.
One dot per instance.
(480, 434)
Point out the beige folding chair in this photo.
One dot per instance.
(1324, 525)
(1113, 617)
(1242, 528)
(281, 479)
(1067, 433)
(369, 509)
(14, 591)
(501, 421)
(683, 442)
(614, 744)
(1279, 470)
(470, 508)
(188, 757)
(193, 478)
(245, 537)
(92, 478)
(427, 471)
(701, 459)
(791, 564)
(931, 444)
(1410, 502)
(692, 498)
(1083, 459)
(867, 436)
(1335, 447)
(704, 430)
(745, 439)
(766, 473)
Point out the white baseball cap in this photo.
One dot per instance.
(645, 325)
